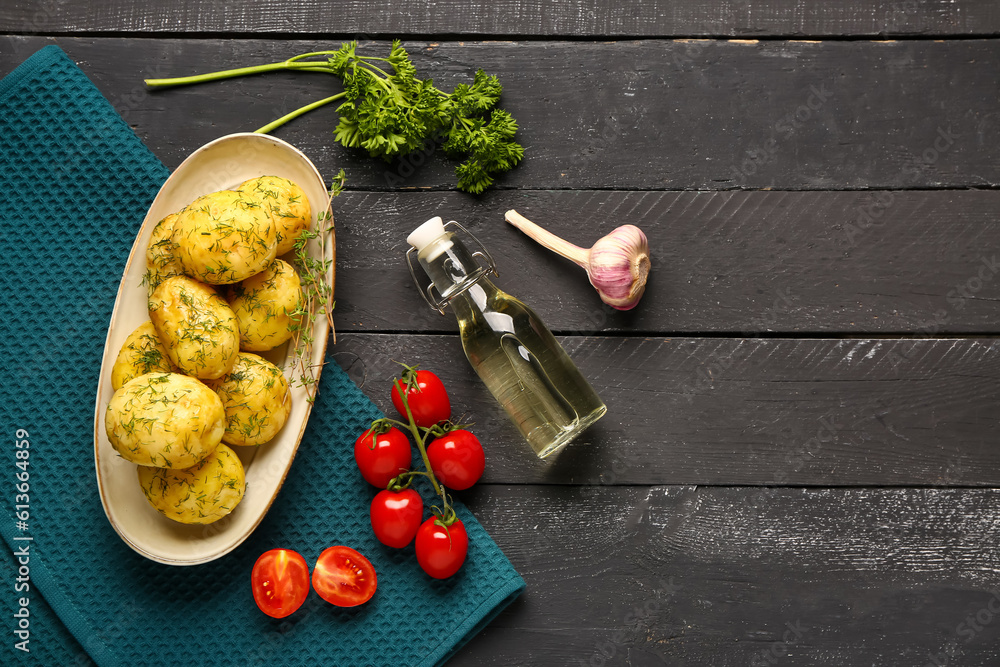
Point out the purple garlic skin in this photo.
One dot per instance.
(619, 266)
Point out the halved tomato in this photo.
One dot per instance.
(280, 582)
(344, 577)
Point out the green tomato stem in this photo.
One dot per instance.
(420, 441)
(402, 481)
(397, 424)
(274, 124)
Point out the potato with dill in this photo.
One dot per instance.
(165, 420)
(161, 254)
(142, 353)
(286, 202)
(256, 399)
(201, 494)
(224, 237)
(196, 325)
(266, 306)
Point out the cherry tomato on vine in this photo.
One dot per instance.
(280, 582)
(343, 577)
(457, 459)
(382, 457)
(441, 550)
(396, 516)
(426, 396)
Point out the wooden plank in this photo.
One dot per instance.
(653, 114)
(723, 262)
(737, 411)
(719, 576)
(584, 18)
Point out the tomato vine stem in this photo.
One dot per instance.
(419, 439)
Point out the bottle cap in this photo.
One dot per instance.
(428, 233)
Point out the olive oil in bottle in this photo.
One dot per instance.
(515, 355)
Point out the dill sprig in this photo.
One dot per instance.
(314, 270)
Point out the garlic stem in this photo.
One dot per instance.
(574, 253)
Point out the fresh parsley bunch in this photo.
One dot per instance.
(388, 111)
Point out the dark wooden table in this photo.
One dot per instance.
(800, 459)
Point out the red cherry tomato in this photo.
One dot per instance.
(396, 516)
(344, 577)
(383, 457)
(457, 459)
(426, 396)
(280, 582)
(440, 550)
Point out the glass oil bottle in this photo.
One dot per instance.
(515, 355)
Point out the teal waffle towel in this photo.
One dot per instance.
(75, 182)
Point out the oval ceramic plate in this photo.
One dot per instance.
(219, 165)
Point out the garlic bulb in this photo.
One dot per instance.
(617, 265)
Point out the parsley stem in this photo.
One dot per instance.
(365, 60)
(298, 112)
(310, 55)
(232, 73)
(381, 71)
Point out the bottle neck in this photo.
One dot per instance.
(454, 271)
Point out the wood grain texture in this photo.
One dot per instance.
(765, 360)
(719, 576)
(723, 262)
(652, 114)
(584, 18)
(736, 411)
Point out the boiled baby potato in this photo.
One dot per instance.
(196, 325)
(265, 306)
(165, 420)
(203, 493)
(224, 237)
(287, 204)
(161, 254)
(142, 353)
(256, 398)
